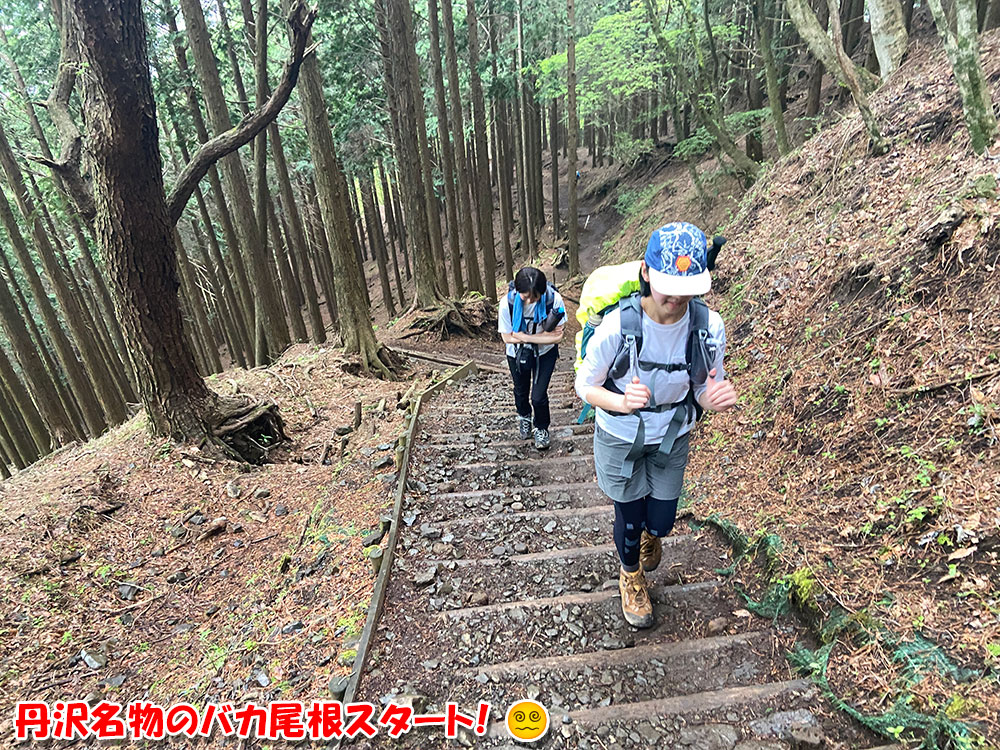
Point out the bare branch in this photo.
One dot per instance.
(300, 19)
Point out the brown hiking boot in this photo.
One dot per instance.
(650, 551)
(636, 606)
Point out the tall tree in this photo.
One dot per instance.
(704, 102)
(763, 24)
(352, 306)
(832, 52)
(572, 130)
(447, 153)
(961, 43)
(270, 317)
(889, 35)
(135, 219)
(399, 59)
(469, 252)
(83, 379)
(484, 208)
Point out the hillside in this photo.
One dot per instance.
(863, 316)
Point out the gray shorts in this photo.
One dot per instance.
(653, 474)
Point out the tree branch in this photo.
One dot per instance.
(300, 19)
(68, 166)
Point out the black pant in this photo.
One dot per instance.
(655, 516)
(537, 381)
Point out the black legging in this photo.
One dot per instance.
(655, 516)
(535, 383)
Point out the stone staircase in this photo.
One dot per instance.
(504, 587)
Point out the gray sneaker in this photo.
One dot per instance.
(524, 427)
(541, 439)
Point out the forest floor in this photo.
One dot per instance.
(111, 586)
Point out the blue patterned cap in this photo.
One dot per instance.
(677, 260)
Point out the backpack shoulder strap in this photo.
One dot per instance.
(699, 313)
(698, 334)
(631, 317)
(631, 324)
(550, 298)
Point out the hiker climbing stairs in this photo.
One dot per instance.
(504, 587)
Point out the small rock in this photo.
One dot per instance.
(520, 547)
(426, 576)
(718, 625)
(344, 429)
(94, 659)
(499, 551)
(479, 599)
(550, 527)
(178, 576)
(127, 591)
(804, 738)
(781, 723)
(212, 610)
(292, 627)
(158, 552)
(710, 737)
(262, 493)
(384, 463)
(415, 701)
(427, 531)
(384, 446)
(262, 679)
(430, 664)
(346, 659)
(233, 489)
(177, 531)
(280, 510)
(517, 506)
(117, 681)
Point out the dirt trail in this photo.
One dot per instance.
(504, 587)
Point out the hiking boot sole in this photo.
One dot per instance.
(638, 621)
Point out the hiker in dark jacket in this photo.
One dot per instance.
(646, 412)
(532, 319)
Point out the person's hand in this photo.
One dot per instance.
(719, 394)
(636, 395)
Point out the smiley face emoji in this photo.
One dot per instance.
(527, 721)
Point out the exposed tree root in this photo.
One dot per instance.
(474, 317)
(247, 431)
(380, 361)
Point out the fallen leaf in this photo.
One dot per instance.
(741, 613)
(960, 554)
